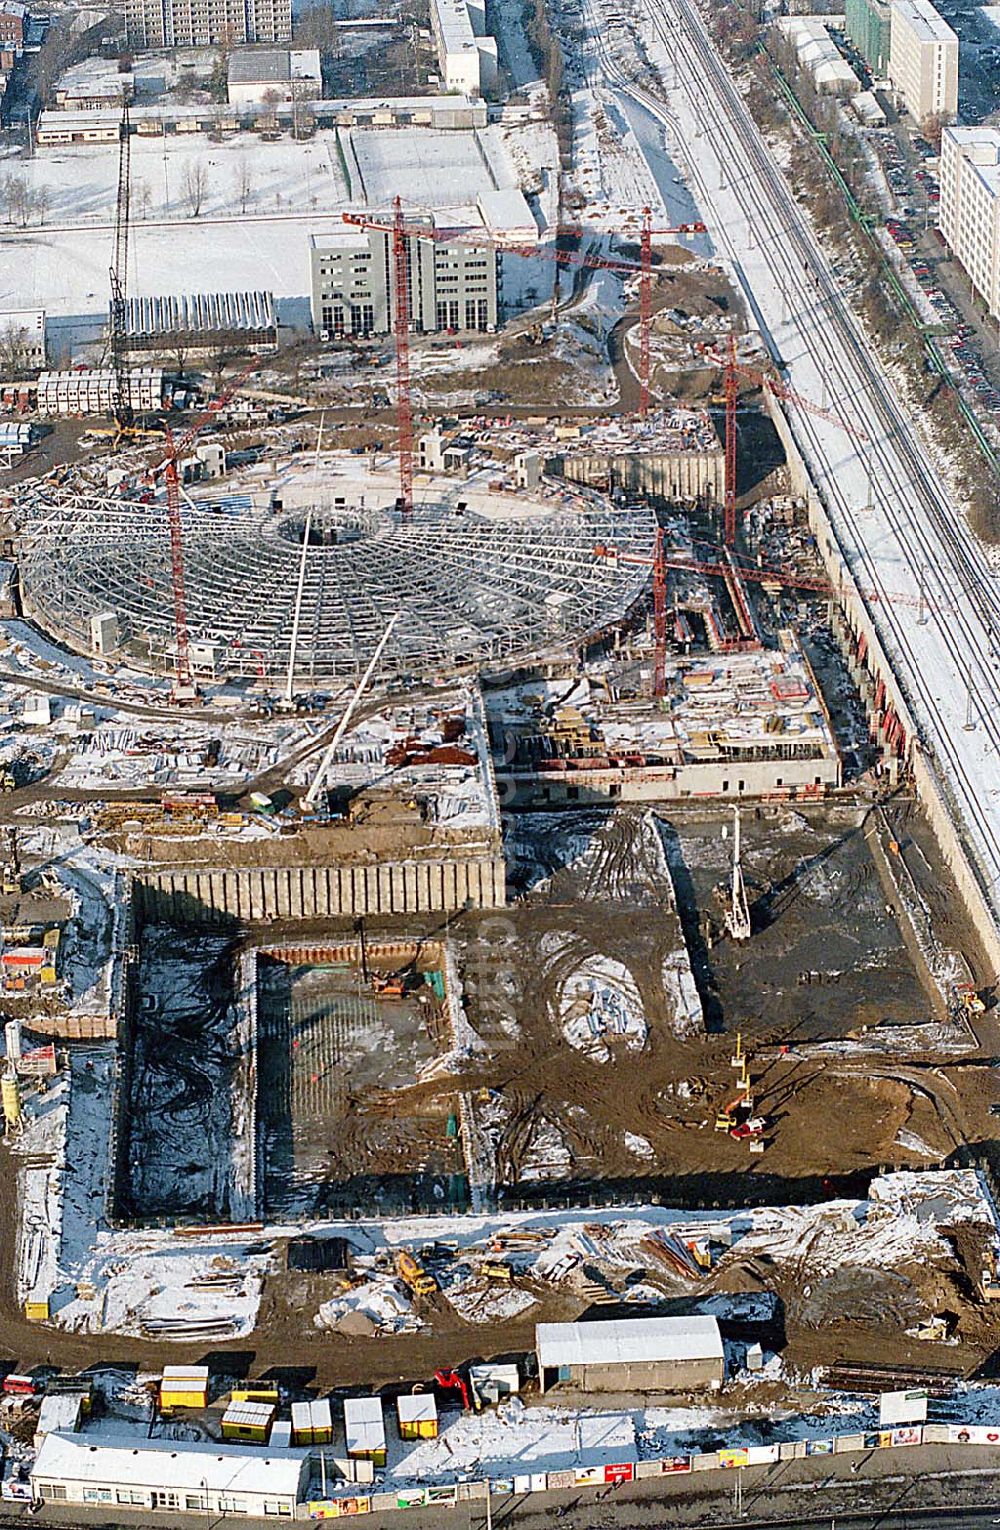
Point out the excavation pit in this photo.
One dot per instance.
(348, 1115)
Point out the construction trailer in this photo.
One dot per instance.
(312, 1422)
(250, 1421)
(178, 1476)
(658, 1354)
(417, 1416)
(184, 1386)
(96, 392)
(364, 1429)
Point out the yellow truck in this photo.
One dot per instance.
(413, 1274)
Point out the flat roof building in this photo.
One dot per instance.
(659, 1354)
(969, 212)
(467, 54)
(818, 53)
(185, 24)
(256, 75)
(451, 286)
(923, 61)
(176, 1475)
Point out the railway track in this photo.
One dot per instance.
(916, 529)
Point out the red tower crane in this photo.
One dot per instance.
(659, 566)
(733, 370)
(399, 231)
(183, 687)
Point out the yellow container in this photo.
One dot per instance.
(37, 1312)
(256, 1391)
(10, 1094)
(47, 976)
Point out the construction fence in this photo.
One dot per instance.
(441, 1495)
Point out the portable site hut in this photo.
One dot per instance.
(248, 1421)
(312, 1422)
(364, 1427)
(256, 1392)
(418, 1416)
(672, 1354)
(184, 1386)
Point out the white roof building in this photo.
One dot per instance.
(923, 60)
(817, 52)
(169, 1474)
(969, 214)
(667, 1353)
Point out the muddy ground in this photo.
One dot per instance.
(344, 1121)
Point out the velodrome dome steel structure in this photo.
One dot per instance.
(469, 582)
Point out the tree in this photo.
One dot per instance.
(40, 203)
(195, 185)
(17, 199)
(317, 28)
(13, 350)
(141, 196)
(243, 177)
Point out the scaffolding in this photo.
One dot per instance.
(467, 588)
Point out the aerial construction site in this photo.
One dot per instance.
(499, 854)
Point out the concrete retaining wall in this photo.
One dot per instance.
(666, 475)
(886, 702)
(195, 895)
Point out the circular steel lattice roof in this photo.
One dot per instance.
(469, 583)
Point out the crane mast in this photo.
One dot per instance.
(123, 412)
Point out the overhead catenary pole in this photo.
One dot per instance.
(331, 749)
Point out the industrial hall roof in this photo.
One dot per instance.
(629, 1341)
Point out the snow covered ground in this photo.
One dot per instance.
(299, 188)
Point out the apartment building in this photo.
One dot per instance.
(923, 61)
(969, 214)
(868, 24)
(13, 22)
(451, 286)
(205, 23)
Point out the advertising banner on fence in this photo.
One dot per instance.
(672, 1464)
(819, 1447)
(622, 1471)
(762, 1455)
(902, 1407)
(589, 1476)
(737, 1457)
(973, 1434)
(411, 1498)
(443, 1493)
(537, 1482)
(339, 1508)
(563, 1479)
(908, 1436)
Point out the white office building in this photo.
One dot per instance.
(176, 1475)
(969, 214)
(923, 61)
(467, 54)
